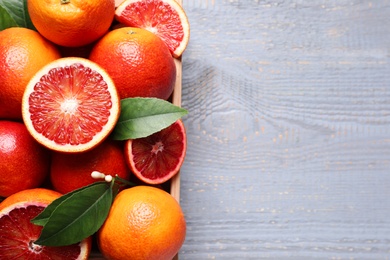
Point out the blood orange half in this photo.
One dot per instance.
(158, 157)
(17, 233)
(165, 18)
(70, 105)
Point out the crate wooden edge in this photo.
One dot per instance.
(176, 100)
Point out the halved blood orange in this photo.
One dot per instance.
(158, 157)
(70, 105)
(17, 233)
(165, 18)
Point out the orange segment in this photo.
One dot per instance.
(165, 18)
(70, 105)
(158, 157)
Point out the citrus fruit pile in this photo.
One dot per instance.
(68, 71)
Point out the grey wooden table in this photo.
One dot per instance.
(288, 130)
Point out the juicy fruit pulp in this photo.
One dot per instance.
(17, 233)
(70, 105)
(165, 18)
(17, 236)
(158, 157)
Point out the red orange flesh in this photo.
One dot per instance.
(70, 105)
(165, 18)
(158, 157)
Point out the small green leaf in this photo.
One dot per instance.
(141, 117)
(78, 216)
(17, 10)
(6, 20)
(44, 216)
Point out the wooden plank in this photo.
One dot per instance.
(176, 99)
(289, 148)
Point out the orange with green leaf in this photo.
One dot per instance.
(70, 171)
(18, 234)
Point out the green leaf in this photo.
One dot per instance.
(44, 216)
(141, 117)
(78, 216)
(6, 20)
(17, 10)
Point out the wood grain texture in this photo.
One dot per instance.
(288, 130)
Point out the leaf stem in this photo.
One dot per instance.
(125, 182)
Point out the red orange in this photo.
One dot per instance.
(143, 223)
(70, 105)
(24, 163)
(138, 61)
(22, 53)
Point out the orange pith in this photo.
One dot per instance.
(158, 157)
(71, 23)
(165, 18)
(17, 233)
(70, 105)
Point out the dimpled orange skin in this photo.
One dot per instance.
(22, 53)
(72, 171)
(71, 23)
(143, 223)
(138, 61)
(24, 164)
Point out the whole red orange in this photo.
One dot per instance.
(143, 223)
(138, 61)
(24, 163)
(22, 53)
(71, 171)
(71, 23)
